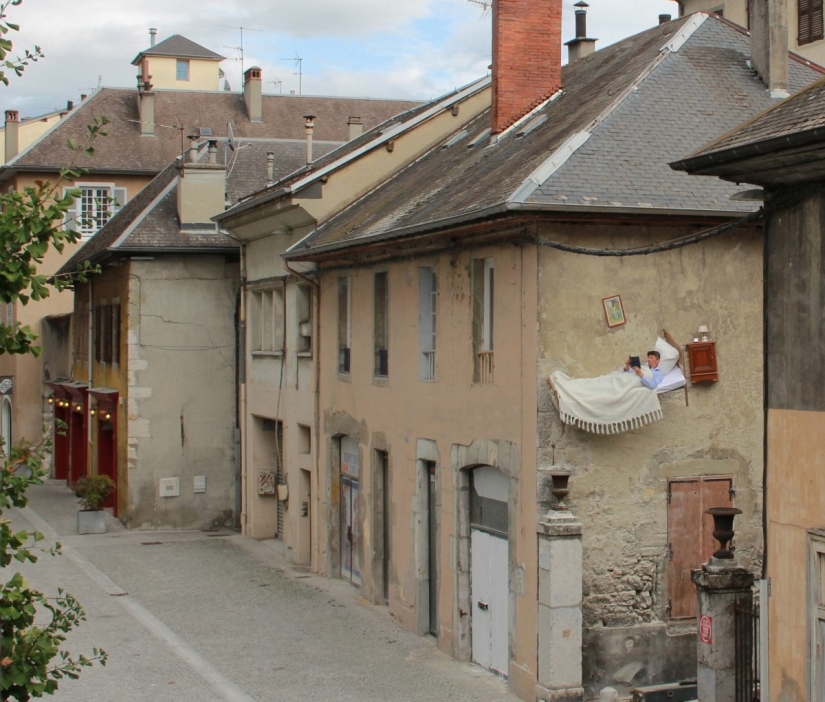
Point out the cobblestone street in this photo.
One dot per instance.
(196, 616)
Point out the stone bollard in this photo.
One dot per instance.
(560, 608)
(609, 694)
(719, 584)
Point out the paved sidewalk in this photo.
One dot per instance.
(191, 616)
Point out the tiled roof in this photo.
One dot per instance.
(625, 112)
(150, 221)
(179, 47)
(800, 113)
(179, 113)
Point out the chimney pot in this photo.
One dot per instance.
(70, 105)
(212, 146)
(153, 33)
(526, 58)
(12, 135)
(270, 167)
(309, 125)
(581, 46)
(83, 96)
(12, 116)
(581, 19)
(192, 151)
(664, 19)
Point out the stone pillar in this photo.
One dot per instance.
(719, 583)
(560, 608)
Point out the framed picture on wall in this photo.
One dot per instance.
(614, 311)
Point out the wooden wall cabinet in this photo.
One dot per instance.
(702, 359)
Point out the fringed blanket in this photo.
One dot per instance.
(609, 404)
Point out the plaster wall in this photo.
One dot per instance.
(619, 482)
(203, 75)
(361, 175)
(181, 390)
(452, 422)
(737, 11)
(29, 132)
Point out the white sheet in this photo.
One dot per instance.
(609, 404)
(672, 381)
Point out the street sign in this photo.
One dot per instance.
(706, 629)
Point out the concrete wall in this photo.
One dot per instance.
(281, 386)
(181, 390)
(619, 483)
(452, 422)
(736, 11)
(203, 75)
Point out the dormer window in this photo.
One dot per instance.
(182, 69)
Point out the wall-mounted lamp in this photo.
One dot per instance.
(92, 412)
(50, 400)
(107, 416)
(78, 407)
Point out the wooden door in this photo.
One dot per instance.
(690, 535)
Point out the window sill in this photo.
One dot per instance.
(344, 377)
(305, 354)
(265, 354)
(381, 381)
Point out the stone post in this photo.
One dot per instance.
(560, 608)
(719, 583)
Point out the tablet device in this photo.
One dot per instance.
(635, 362)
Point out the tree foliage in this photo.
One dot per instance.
(32, 222)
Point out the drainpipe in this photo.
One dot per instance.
(316, 331)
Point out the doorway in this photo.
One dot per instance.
(107, 452)
(77, 437)
(350, 470)
(489, 570)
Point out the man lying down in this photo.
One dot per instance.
(618, 401)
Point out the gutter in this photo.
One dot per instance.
(740, 153)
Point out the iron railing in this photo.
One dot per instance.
(746, 642)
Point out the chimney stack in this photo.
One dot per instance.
(309, 125)
(581, 46)
(192, 151)
(201, 187)
(664, 19)
(253, 94)
(356, 127)
(769, 44)
(153, 35)
(12, 134)
(526, 57)
(146, 100)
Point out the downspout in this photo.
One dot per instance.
(88, 407)
(764, 582)
(316, 331)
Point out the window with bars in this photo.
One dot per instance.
(266, 317)
(427, 308)
(96, 205)
(483, 282)
(107, 333)
(381, 327)
(344, 323)
(810, 21)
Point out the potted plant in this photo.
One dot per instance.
(93, 491)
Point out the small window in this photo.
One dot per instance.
(381, 336)
(810, 21)
(483, 281)
(303, 312)
(182, 69)
(344, 323)
(427, 302)
(266, 317)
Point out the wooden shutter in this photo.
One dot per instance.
(690, 535)
(119, 201)
(810, 21)
(71, 215)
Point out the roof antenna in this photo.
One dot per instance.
(298, 61)
(240, 48)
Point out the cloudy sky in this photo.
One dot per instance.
(379, 48)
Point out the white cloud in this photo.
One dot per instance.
(380, 48)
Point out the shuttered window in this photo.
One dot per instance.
(810, 21)
(690, 535)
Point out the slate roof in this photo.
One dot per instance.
(178, 46)
(149, 222)
(795, 126)
(125, 150)
(625, 112)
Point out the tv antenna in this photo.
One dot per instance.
(297, 60)
(240, 48)
(279, 83)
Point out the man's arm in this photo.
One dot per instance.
(654, 380)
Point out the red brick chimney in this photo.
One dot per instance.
(526, 57)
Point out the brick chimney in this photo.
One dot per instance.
(769, 44)
(581, 46)
(146, 100)
(252, 94)
(526, 57)
(12, 134)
